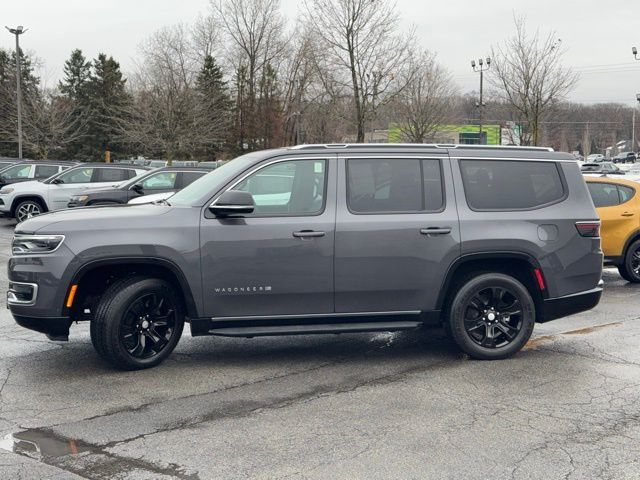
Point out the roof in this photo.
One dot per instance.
(351, 146)
(46, 162)
(112, 165)
(613, 179)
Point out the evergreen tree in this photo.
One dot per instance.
(77, 74)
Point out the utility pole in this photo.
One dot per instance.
(480, 67)
(634, 147)
(17, 32)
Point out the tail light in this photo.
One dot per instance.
(588, 229)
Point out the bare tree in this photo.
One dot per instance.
(359, 38)
(254, 30)
(528, 74)
(427, 102)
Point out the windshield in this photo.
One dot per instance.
(136, 179)
(206, 186)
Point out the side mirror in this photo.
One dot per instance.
(232, 202)
(137, 188)
(57, 181)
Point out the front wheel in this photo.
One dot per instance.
(630, 268)
(27, 209)
(492, 316)
(138, 323)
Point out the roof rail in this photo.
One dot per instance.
(418, 145)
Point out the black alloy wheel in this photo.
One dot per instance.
(148, 325)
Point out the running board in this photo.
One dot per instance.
(351, 327)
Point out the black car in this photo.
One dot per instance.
(29, 170)
(603, 168)
(166, 179)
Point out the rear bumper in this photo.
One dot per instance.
(55, 328)
(554, 308)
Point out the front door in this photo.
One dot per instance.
(279, 259)
(71, 182)
(397, 232)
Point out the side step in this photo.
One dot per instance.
(351, 327)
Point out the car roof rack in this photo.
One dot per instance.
(355, 146)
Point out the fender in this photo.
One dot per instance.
(470, 257)
(192, 311)
(19, 198)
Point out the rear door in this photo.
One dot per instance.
(618, 208)
(397, 232)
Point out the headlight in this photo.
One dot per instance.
(6, 190)
(79, 198)
(35, 244)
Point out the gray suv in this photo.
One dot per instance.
(322, 239)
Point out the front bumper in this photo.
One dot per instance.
(554, 308)
(55, 328)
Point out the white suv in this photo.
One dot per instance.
(28, 199)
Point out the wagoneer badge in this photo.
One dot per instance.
(242, 289)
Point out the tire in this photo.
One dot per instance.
(479, 328)
(630, 268)
(27, 209)
(137, 323)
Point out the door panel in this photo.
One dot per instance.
(75, 181)
(390, 260)
(268, 263)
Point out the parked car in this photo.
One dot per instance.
(624, 157)
(167, 179)
(154, 197)
(6, 161)
(29, 199)
(595, 158)
(485, 240)
(32, 170)
(618, 206)
(602, 168)
(211, 164)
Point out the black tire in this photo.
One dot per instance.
(630, 268)
(27, 209)
(137, 323)
(476, 323)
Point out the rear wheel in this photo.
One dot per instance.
(630, 268)
(492, 316)
(27, 209)
(138, 323)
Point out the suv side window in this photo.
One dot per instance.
(187, 178)
(77, 175)
(511, 184)
(394, 185)
(625, 193)
(112, 175)
(160, 181)
(288, 188)
(46, 171)
(18, 171)
(603, 194)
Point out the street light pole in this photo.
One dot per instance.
(481, 67)
(17, 32)
(633, 129)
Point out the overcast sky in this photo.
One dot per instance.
(598, 35)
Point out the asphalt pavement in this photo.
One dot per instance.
(351, 406)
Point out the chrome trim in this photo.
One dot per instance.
(13, 300)
(28, 236)
(599, 288)
(321, 315)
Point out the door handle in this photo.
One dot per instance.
(308, 234)
(627, 214)
(435, 231)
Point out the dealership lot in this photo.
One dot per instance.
(404, 405)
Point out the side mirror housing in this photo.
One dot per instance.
(137, 188)
(232, 202)
(56, 181)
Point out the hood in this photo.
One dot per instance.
(94, 218)
(154, 197)
(19, 186)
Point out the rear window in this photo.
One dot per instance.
(511, 185)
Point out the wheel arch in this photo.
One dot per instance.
(21, 198)
(519, 265)
(98, 273)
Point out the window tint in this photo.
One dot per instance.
(603, 194)
(76, 175)
(189, 177)
(113, 174)
(45, 171)
(17, 171)
(402, 185)
(625, 193)
(160, 181)
(287, 188)
(510, 185)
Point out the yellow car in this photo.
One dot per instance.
(618, 204)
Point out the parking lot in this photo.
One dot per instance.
(404, 405)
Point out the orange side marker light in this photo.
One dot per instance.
(72, 294)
